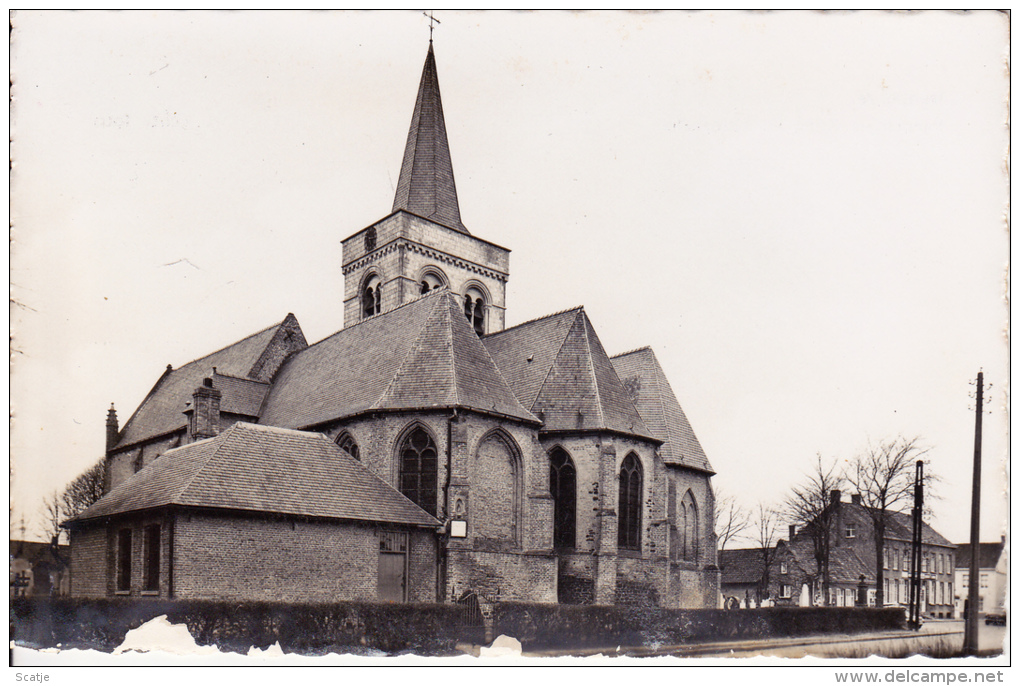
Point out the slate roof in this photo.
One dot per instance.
(741, 565)
(988, 555)
(899, 526)
(649, 388)
(845, 565)
(261, 469)
(161, 410)
(425, 186)
(240, 396)
(421, 355)
(559, 370)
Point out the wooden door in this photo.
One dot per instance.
(393, 566)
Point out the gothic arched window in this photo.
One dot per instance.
(690, 524)
(371, 299)
(629, 532)
(474, 309)
(370, 239)
(346, 442)
(563, 487)
(418, 469)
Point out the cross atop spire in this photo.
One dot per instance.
(426, 186)
(432, 21)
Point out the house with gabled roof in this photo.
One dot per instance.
(519, 463)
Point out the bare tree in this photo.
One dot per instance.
(884, 476)
(766, 526)
(731, 519)
(809, 506)
(83, 491)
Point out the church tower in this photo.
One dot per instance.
(422, 244)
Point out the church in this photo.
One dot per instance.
(421, 453)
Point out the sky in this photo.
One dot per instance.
(803, 214)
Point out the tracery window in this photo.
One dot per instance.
(629, 531)
(371, 299)
(346, 442)
(418, 469)
(563, 487)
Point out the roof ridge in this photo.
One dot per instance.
(242, 378)
(176, 496)
(586, 324)
(453, 356)
(231, 345)
(631, 352)
(410, 351)
(536, 319)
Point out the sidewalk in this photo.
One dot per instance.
(929, 632)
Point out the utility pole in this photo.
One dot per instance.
(915, 549)
(970, 633)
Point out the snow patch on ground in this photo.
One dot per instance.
(159, 634)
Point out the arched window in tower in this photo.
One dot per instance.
(371, 298)
(347, 443)
(430, 281)
(563, 487)
(418, 469)
(690, 524)
(370, 239)
(629, 519)
(474, 309)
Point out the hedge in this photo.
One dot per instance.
(540, 627)
(101, 624)
(433, 629)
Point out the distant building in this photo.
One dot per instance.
(991, 576)
(39, 569)
(794, 578)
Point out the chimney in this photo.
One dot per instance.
(835, 497)
(793, 531)
(855, 498)
(112, 429)
(204, 413)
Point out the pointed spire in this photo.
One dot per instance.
(426, 185)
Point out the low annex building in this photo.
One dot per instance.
(518, 463)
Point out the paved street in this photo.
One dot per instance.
(941, 638)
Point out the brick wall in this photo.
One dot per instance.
(89, 563)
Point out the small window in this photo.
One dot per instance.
(431, 282)
(139, 460)
(346, 442)
(784, 568)
(370, 239)
(786, 591)
(371, 297)
(124, 560)
(885, 558)
(474, 309)
(152, 540)
(851, 531)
